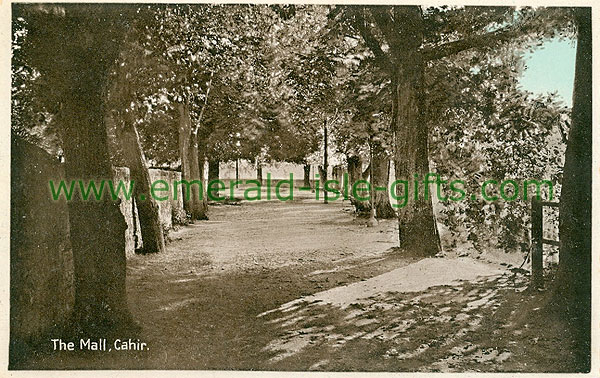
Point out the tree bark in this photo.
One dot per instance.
(367, 172)
(148, 212)
(190, 171)
(325, 162)
(356, 173)
(259, 171)
(237, 172)
(381, 173)
(322, 174)
(571, 293)
(147, 208)
(306, 176)
(354, 170)
(417, 230)
(80, 70)
(200, 154)
(213, 170)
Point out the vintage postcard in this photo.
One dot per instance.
(299, 188)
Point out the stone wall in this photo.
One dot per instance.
(171, 210)
(133, 236)
(41, 262)
(278, 170)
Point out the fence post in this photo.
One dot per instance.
(537, 274)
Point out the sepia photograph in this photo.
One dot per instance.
(300, 187)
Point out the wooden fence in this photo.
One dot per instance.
(538, 241)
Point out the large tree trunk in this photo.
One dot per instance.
(147, 209)
(306, 183)
(152, 233)
(74, 48)
(354, 170)
(97, 228)
(572, 288)
(213, 170)
(417, 230)
(190, 171)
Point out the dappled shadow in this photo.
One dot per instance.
(337, 298)
(426, 331)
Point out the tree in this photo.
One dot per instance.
(125, 99)
(32, 110)
(483, 126)
(208, 50)
(371, 124)
(403, 43)
(572, 288)
(187, 39)
(293, 88)
(76, 77)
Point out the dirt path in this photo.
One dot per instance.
(306, 286)
(276, 234)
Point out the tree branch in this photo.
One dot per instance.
(386, 25)
(482, 40)
(204, 105)
(335, 117)
(371, 41)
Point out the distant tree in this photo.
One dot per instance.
(370, 97)
(209, 51)
(295, 95)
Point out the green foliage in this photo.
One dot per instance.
(29, 118)
(301, 93)
(261, 81)
(485, 127)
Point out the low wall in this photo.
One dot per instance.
(41, 261)
(278, 170)
(171, 211)
(133, 236)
